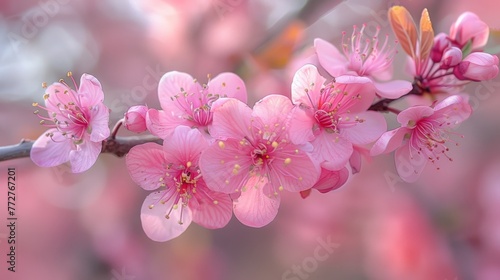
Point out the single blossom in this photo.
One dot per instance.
(423, 135)
(365, 57)
(469, 29)
(477, 66)
(181, 195)
(254, 158)
(77, 121)
(185, 102)
(333, 116)
(135, 119)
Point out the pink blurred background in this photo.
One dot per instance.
(446, 226)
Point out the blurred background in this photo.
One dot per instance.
(86, 226)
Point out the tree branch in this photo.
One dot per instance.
(118, 146)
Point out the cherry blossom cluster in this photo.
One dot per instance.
(220, 156)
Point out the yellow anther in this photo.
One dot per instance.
(216, 202)
(70, 74)
(151, 206)
(275, 144)
(44, 85)
(288, 161)
(222, 145)
(188, 164)
(34, 104)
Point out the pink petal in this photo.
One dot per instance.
(84, 156)
(301, 129)
(145, 164)
(253, 208)
(293, 169)
(333, 149)
(225, 124)
(355, 161)
(211, 209)
(185, 145)
(393, 89)
(412, 115)
(55, 93)
(330, 58)
(90, 90)
(156, 226)
(389, 141)
(161, 123)
(99, 123)
(454, 109)
(173, 85)
(225, 165)
(272, 109)
(365, 132)
(46, 152)
(360, 88)
(306, 86)
(228, 85)
(409, 164)
(331, 180)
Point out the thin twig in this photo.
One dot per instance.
(118, 146)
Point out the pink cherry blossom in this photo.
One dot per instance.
(364, 57)
(77, 122)
(185, 102)
(333, 116)
(423, 135)
(181, 194)
(469, 28)
(477, 66)
(135, 119)
(254, 158)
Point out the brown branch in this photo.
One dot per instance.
(118, 146)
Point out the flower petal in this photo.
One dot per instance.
(99, 123)
(273, 109)
(293, 170)
(409, 164)
(393, 89)
(254, 208)
(330, 58)
(84, 156)
(211, 209)
(90, 91)
(185, 145)
(145, 165)
(389, 141)
(228, 85)
(331, 180)
(154, 222)
(367, 131)
(225, 124)
(306, 86)
(225, 165)
(333, 149)
(46, 152)
(301, 125)
(410, 116)
(360, 89)
(161, 123)
(454, 109)
(174, 85)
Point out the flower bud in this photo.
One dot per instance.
(135, 119)
(477, 66)
(451, 57)
(469, 27)
(441, 43)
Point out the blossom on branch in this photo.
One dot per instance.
(181, 195)
(77, 121)
(423, 135)
(185, 102)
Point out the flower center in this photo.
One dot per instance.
(430, 138)
(65, 113)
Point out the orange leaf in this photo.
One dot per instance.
(426, 35)
(404, 28)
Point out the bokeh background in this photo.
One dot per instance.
(446, 226)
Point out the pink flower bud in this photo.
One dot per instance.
(477, 66)
(469, 27)
(441, 43)
(451, 57)
(135, 119)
